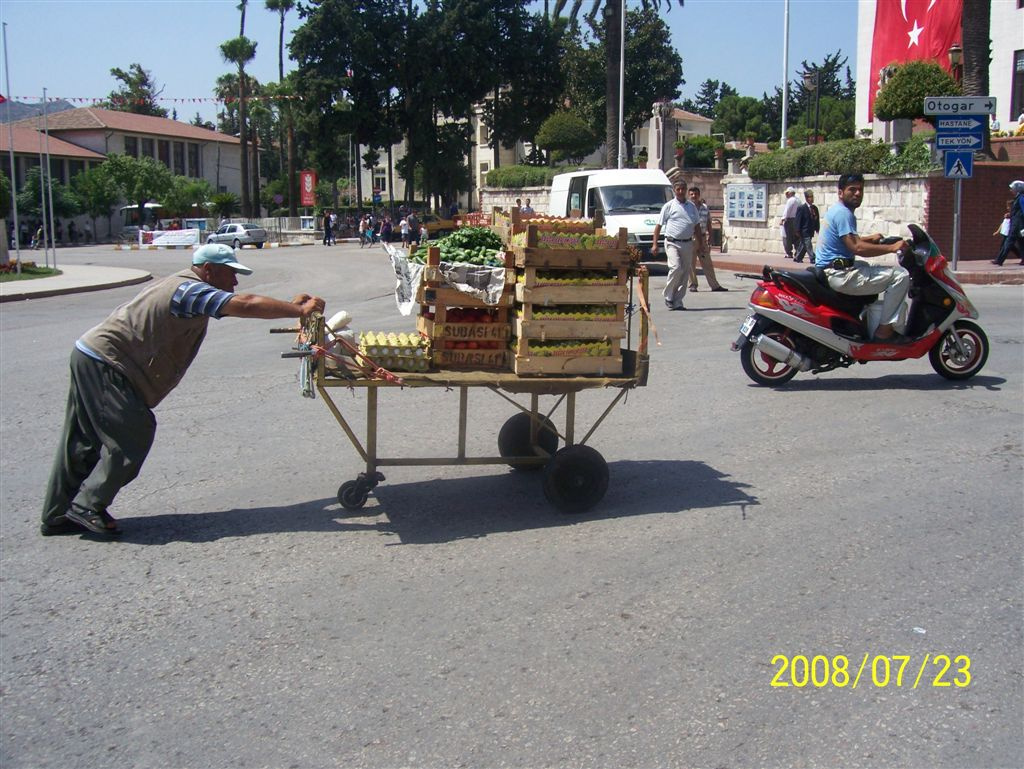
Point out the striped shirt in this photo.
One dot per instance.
(193, 298)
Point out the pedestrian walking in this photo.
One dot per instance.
(789, 234)
(124, 367)
(808, 223)
(702, 244)
(681, 222)
(1014, 239)
(326, 224)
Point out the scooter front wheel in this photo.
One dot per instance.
(761, 367)
(950, 361)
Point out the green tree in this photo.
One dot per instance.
(97, 192)
(185, 195)
(137, 93)
(526, 88)
(65, 204)
(904, 94)
(566, 136)
(737, 116)
(224, 204)
(975, 23)
(710, 93)
(139, 180)
(611, 12)
(654, 73)
(198, 122)
(284, 90)
(240, 51)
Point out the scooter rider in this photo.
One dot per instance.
(839, 252)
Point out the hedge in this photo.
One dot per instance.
(522, 176)
(845, 156)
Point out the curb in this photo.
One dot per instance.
(137, 247)
(42, 294)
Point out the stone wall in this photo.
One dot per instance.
(505, 198)
(889, 205)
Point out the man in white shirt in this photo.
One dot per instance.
(681, 221)
(790, 237)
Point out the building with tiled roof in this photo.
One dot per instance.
(82, 137)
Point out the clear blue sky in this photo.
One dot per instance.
(69, 46)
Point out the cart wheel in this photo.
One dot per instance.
(514, 439)
(575, 479)
(352, 495)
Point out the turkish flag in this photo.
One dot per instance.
(908, 30)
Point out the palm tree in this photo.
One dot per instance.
(282, 7)
(613, 28)
(240, 51)
(974, 31)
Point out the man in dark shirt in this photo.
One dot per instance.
(808, 222)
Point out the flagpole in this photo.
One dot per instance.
(785, 72)
(10, 151)
(49, 181)
(42, 198)
(622, 81)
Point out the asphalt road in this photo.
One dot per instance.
(245, 620)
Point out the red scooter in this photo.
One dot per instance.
(798, 323)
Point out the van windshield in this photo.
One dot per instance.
(634, 198)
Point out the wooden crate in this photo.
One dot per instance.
(464, 332)
(441, 313)
(571, 259)
(522, 348)
(493, 360)
(531, 279)
(572, 294)
(600, 366)
(450, 297)
(544, 330)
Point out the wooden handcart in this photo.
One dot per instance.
(575, 476)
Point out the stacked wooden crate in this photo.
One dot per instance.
(464, 332)
(572, 286)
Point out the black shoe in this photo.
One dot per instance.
(720, 288)
(996, 262)
(102, 523)
(691, 288)
(59, 525)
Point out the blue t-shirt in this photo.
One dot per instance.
(839, 221)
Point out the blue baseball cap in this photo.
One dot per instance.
(219, 253)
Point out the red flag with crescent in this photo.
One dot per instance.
(908, 30)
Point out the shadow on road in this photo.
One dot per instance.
(803, 383)
(444, 510)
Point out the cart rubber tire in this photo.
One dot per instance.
(575, 479)
(352, 495)
(945, 357)
(514, 439)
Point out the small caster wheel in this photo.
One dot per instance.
(352, 495)
(575, 479)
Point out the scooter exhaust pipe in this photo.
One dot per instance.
(781, 353)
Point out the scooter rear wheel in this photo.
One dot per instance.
(763, 368)
(949, 362)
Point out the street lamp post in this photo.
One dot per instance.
(812, 83)
(956, 60)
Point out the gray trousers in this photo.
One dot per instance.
(108, 431)
(680, 261)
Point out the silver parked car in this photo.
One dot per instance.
(238, 235)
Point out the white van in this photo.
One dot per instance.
(628, 197)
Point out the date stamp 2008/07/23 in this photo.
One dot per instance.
(878, 670)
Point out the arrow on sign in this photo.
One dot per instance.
(955, 142)
(954, 124)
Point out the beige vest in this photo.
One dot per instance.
(147, 344)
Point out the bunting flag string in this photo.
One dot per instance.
(168, 99)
